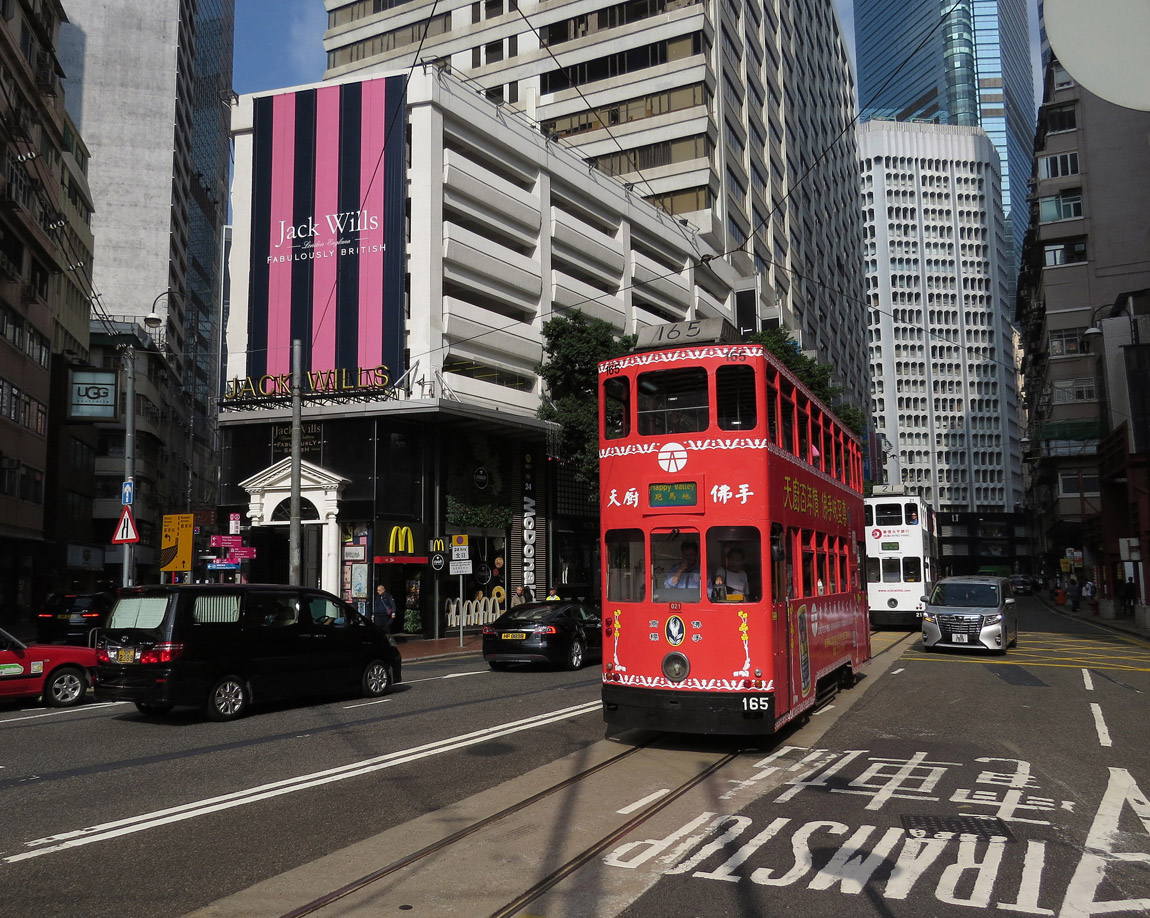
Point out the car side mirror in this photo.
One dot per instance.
(1010, 600)
(925, 599)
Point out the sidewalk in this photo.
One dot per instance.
(414, 647)
(1128, 624)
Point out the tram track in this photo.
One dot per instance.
(556, 876)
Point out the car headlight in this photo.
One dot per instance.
(928, 617)
(992, 619)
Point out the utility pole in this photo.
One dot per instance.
(129, 447)
(294, 573)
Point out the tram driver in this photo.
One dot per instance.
(730, 584)
(685, 574)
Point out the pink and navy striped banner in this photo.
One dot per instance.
(328, 187)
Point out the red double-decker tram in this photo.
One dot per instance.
(731, 514)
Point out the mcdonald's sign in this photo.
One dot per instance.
(437, 545)
(400, 541)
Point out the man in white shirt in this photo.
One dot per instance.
(730, 582)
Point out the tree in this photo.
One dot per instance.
(812, 374)
(573, 347)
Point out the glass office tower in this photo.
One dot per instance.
(973, 69)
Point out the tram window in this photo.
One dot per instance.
(888, 514)
(891, 570)
(675, 566)
(807, 588)
(625, 565)
(616, 408)
(735, 398)
(868, 515)
(873, 572)
(804, 431)
(734, 564)
(912, 570)
(818, 452)
(772, 412)
(789, 426)
(911, 514)
(673, 401)
(822, 574)
(778, 564)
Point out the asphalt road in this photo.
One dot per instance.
(944, 782)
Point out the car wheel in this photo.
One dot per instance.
(575, 655)
(497, 665)
(153, 708)
(65, 687)
(376, 679)
(228, 699)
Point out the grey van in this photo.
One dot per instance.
(972, 611)
(223, 647)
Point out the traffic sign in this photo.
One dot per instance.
(127, 492)
(241, 553)
(126, 529)
(459, 552)
(228, 541)
(459, 567)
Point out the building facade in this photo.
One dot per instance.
(971, 68)
(500, 231)
(732, 117)
(945, 397)
(46, 485)
(153, 100)
(1083, 309)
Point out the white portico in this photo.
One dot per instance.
(270, 501)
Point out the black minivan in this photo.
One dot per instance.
(222, 647)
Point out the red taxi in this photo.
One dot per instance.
(58, 673)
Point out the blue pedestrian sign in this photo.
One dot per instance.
(127, 493)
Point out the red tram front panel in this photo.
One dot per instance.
(730, 565)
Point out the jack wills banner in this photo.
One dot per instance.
(328, 186)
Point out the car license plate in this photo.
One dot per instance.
(960, 638)
(126, 655)
(65, 617)
(514, 636)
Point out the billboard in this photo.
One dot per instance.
(327, 243)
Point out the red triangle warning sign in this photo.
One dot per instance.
(126, 529)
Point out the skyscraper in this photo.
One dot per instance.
(149, 82)
(732, 117)
(972, 69)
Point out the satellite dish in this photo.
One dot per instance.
(1102, 44)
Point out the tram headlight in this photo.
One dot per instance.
(892, 602)
(676, 667)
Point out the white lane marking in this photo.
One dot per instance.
(639, 804)
(364, 704)
(829, 707)
(895, 672)
(1089, 683)
(132, 824)
(478, 672)
(76, 710)
(1100, 726)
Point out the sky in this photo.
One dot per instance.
(278, 43)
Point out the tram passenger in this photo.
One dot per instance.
(730, 582)
(685, 574)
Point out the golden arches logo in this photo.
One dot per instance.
(439, 545)
(400, 537)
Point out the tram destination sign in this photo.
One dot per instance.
(673, 494)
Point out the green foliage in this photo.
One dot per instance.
(467, 504)
(573, 347)
(812, 374)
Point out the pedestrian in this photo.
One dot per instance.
(1075, 593)
(383, 609)
(552, 596)
(517, 598)
(1129, 596)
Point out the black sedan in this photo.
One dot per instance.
(562, 633)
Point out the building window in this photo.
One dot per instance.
(1060, 119)
(1064, 252)
(1064, 206)
(1066, 342)
(1073, 390)
(1072, 482)
(1055, 166)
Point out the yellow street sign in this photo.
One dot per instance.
(177, 541)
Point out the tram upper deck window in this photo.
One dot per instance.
(675, 566)
(616, 408)
(673, 401)
(735, 398)
(626, 565)
(888, 514)
(911, 514)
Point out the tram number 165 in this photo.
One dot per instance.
(757, 704)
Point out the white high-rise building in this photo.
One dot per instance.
(944, 382)
(733, 117)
